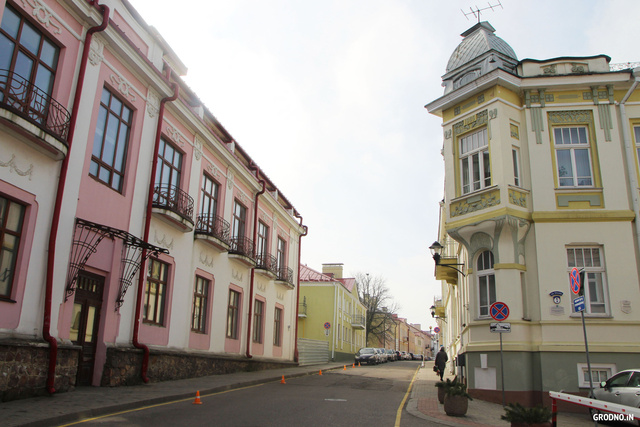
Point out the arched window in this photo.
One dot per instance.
(486, 282)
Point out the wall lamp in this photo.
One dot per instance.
(432, 309)
(436, 250)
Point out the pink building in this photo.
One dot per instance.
(139, 240)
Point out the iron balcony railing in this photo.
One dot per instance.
(34, 105)
(267, 262)
(214, 226)
(302, 308)
(357, 319)
(285, 274)
(175, 200)
(241, 246)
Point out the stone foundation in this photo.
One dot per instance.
(24, 367)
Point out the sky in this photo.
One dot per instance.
(328, 99)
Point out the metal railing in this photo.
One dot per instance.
(267, 262)
(242, 246)
(214, 226)
(357, 319)
(302, 308)
(175, 200)
(285, 274)
(34, 105)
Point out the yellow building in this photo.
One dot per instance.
(330, 315)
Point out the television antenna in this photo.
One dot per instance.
(477, 11)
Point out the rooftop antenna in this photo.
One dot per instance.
(477, 11)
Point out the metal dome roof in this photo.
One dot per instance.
(478, 40)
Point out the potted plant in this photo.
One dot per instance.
(443, 386)
(456, 400)
(519, 416)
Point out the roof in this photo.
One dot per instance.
(478, 40)
(310, 275)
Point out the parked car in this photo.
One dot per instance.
(383, 355)
(368, 355)
(391, 355)
(623, 388)
(403, 355)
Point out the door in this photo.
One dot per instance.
(85, 321)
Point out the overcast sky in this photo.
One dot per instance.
(328, 98)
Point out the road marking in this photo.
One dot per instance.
(336, 400)
(404, 399)
(155, 406)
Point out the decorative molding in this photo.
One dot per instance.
(574, 116)
(214, 171)
(262, 286)
(162, 242)
(515, 132)
(579, 68)
(42, 14)
(471, 122)
(237, 275)
(551, 69)
(230, 179)
(517, 198)
(96, 52)
(625, 306)
(447, 134)
(197, 147)
(124, 87)
(11, 164)
(153, 103)
(205, 259)
(493, 113)
(606, 122)
(175, 135)
(482, 241)
(475, 203)
(280, 295)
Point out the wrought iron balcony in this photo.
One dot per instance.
(358, 321)
(302, 308)
(173, 199)
(267, 262)
(213, 226)
(28, 101)
(285, 274)
(242, 246)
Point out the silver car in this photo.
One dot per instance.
(623, 388)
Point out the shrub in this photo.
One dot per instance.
(516, 413)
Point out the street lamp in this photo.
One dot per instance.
(436, 250)
(432, 309)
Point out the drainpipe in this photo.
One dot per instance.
(55, 220)
(631, 166)
(147, 226)
(254, 167)
(305, 228)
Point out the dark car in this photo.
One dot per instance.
(367, 355)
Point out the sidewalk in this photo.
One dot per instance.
(424, 404)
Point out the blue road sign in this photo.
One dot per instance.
(578, 304)
(499, 311)
(575, 280)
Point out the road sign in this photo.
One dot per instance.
(436, 330)
(499, 311)
(500, 327)
(327, 325)
(575, 280)
(578, 304)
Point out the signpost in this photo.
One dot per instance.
(500, 311)
(436, 330)
(575, 278)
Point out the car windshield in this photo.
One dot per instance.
(366, 351)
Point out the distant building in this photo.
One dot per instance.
(331, 318)
(139, 240)
(541, 176)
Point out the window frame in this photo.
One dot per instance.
(517, 169)
(159, 317)
(278, 315)
(233, 314)
(262, 241)
(166, 165)
(486, 275)
(209, 196)
(572, 148)
(201, 296)
(281, 258)
(258, 321)
(636, 134)
(583, 370)
(239, 223)
(466, 161)
(591, 273)
(19, 236)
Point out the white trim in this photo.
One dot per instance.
(582, 368)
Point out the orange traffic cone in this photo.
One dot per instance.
(354, 365)
(197, 401)
(282, 381)
(320, 373)
(345, 368)
(359, 365)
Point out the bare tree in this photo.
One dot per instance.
(376, 297)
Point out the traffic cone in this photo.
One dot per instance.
(354, 365)
(282, 381)
(197, 401)
(345, 368)
(320, 373)
(359, 365)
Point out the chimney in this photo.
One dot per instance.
(333, 270)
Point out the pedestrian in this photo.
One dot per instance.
(441, 361)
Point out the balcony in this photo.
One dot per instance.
(445, 272)
(267, 265)
(241, 248)
(358, 321)
(285, 277)
(174, 205)
(214, 230)
(302, 308)
(32, 112)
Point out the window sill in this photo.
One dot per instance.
(591, 316)
(475, 193)
(9, 300)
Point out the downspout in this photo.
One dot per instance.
(147, 227)
(253, 166)
(55, 220)
(305, 228)
(631, 166)
(335, 319)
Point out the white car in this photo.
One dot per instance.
(623, 388)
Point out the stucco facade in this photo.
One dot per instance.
(541, 176)
(133, 222)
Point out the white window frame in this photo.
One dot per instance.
(475, 145)
(593, 274)
(565, 139)
(517, 171)
(481, 275)
(609, 368)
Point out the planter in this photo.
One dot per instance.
(456, 406)
(441, 392)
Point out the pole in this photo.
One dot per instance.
(502, 370)
(586, 346)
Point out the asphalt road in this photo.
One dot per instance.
(364, 396)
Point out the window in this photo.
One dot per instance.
(277, 327)
(27, 59)
(169, 166)
(239, 220)
(486, 282)
(11, 220)
(636, 130)
(200, 301)
(110, 141)
(209, 192)
(573, 156)
(155, 292)
(515, 155)
(282, 252)
(233, 314)
(474, 160)
(590, 259)
(599, 373)
(258, 321)
(263, 239)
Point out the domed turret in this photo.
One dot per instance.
(480, 52)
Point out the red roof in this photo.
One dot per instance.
(310, 275)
